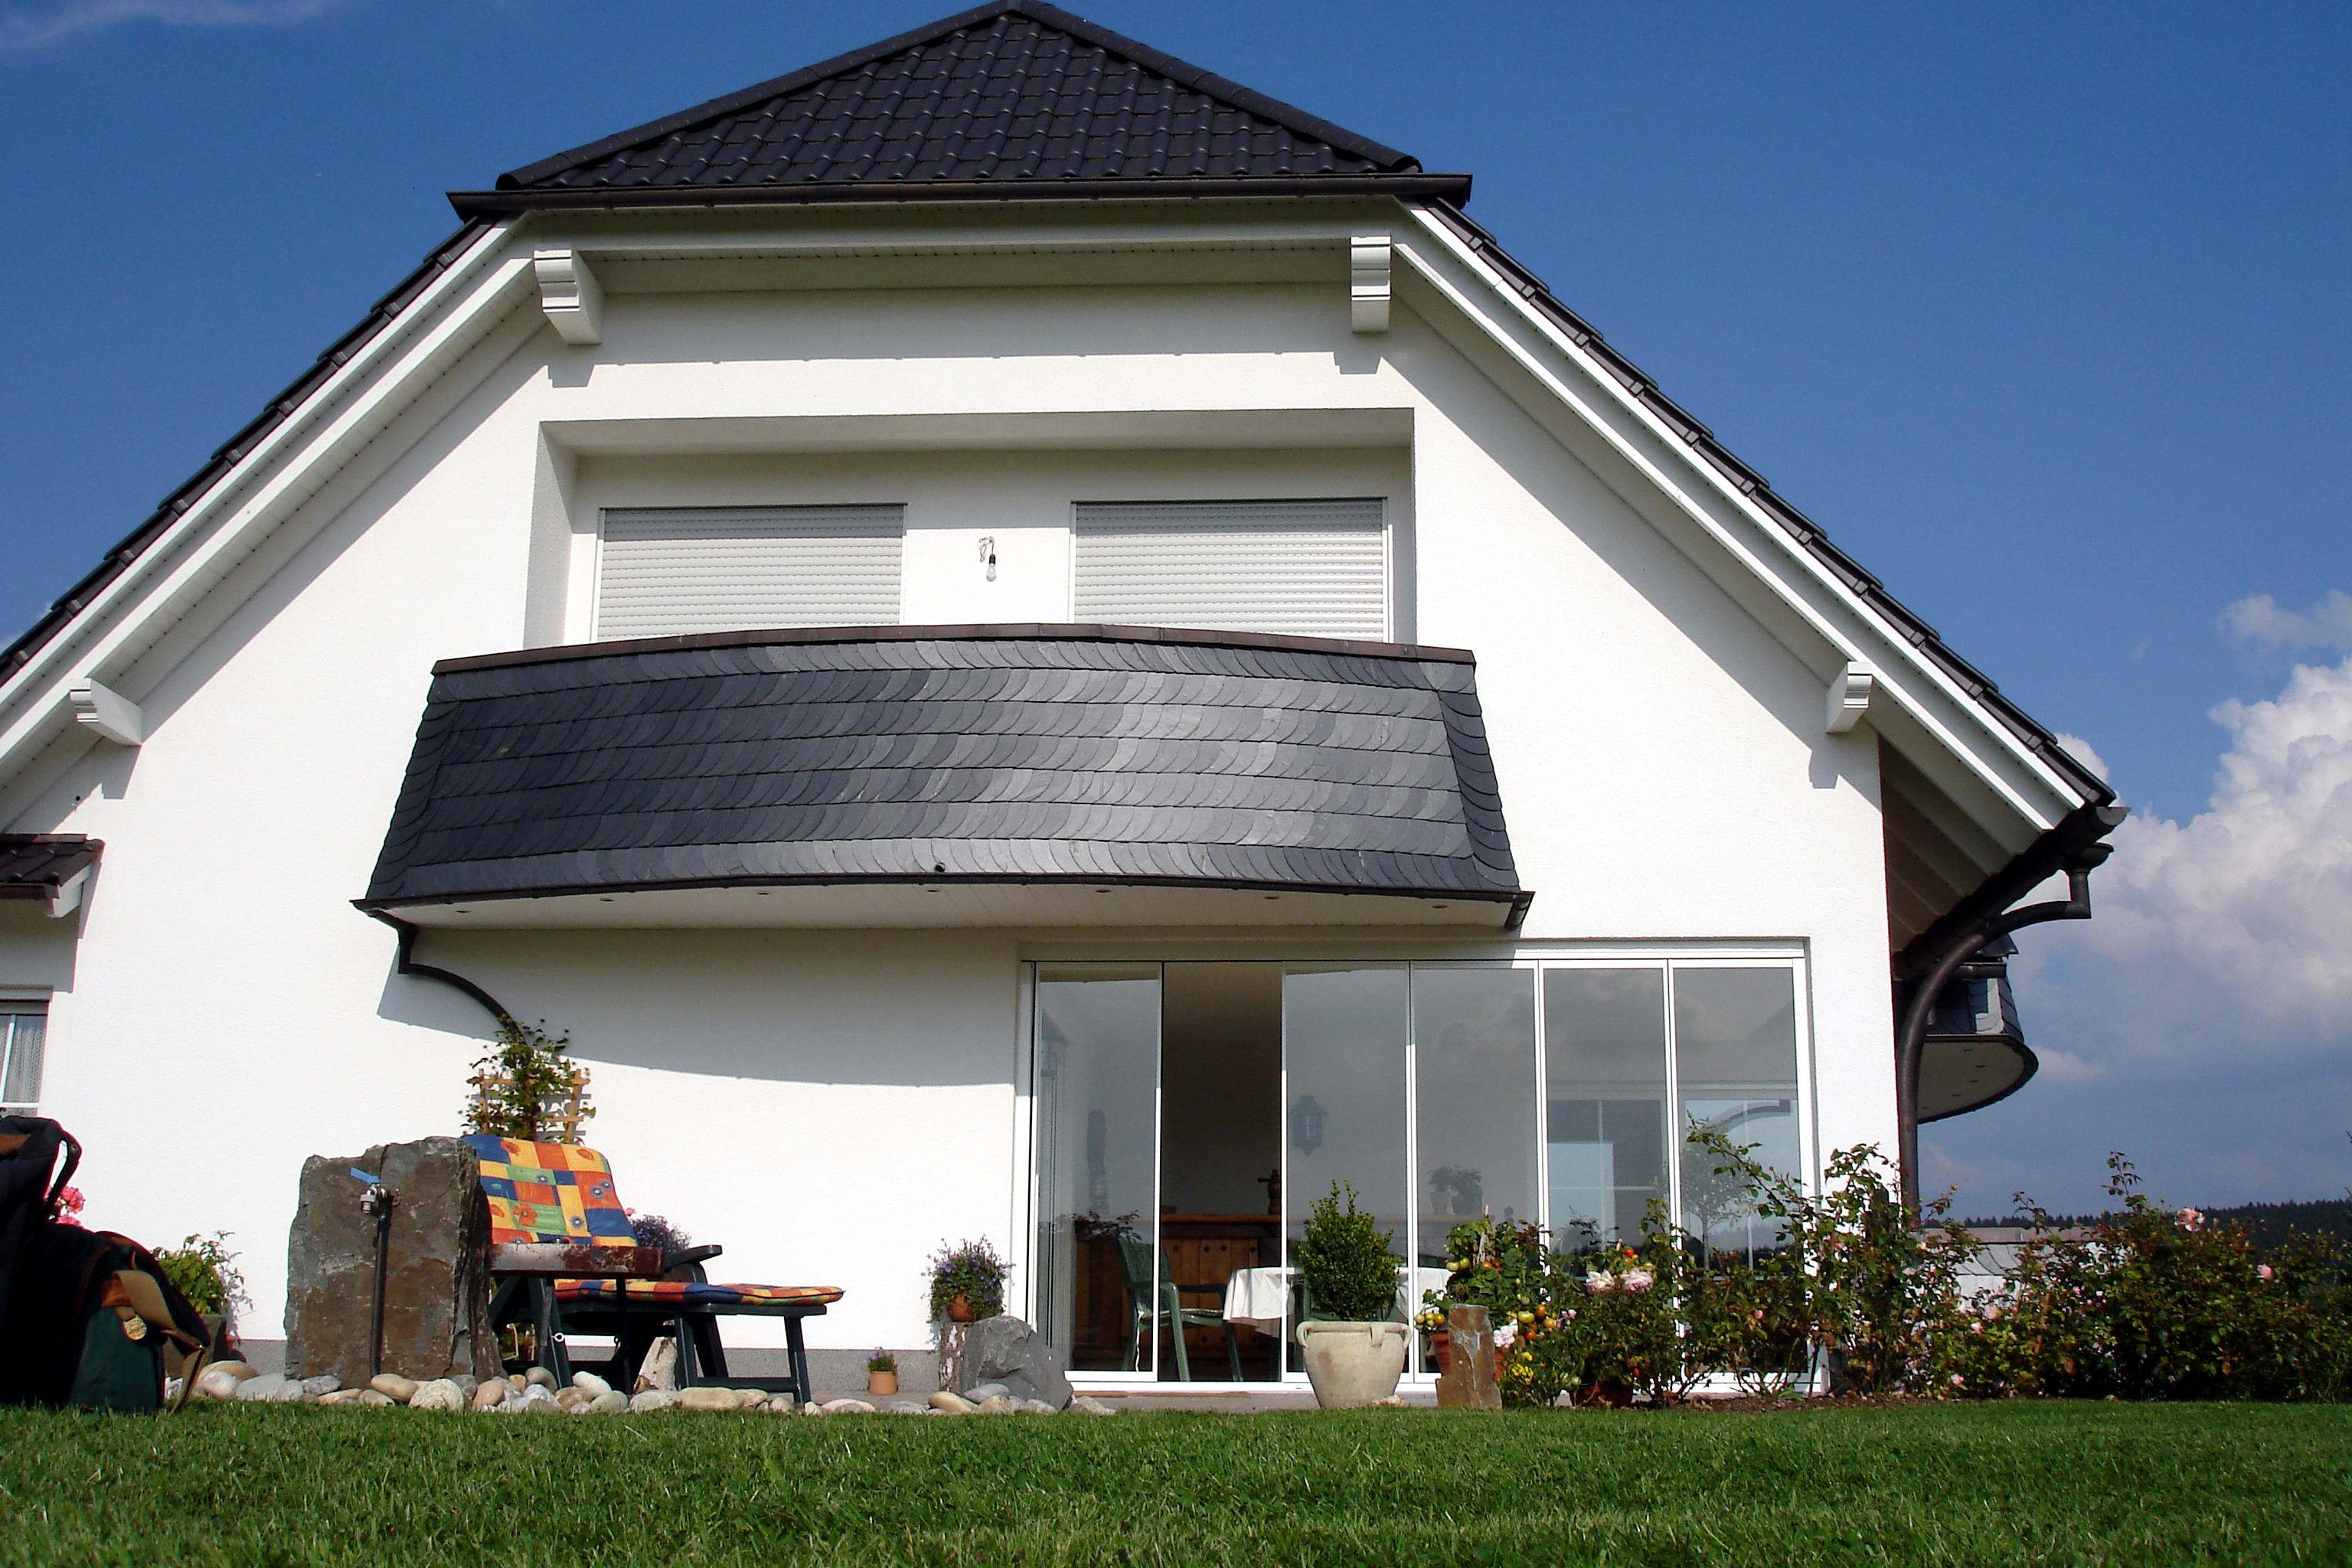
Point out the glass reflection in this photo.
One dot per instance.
(1735, 1060)
(1097, 1064)
(1604, 1100)
(1474, 1034)
(1343, 1058)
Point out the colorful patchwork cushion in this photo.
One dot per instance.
(681, 1293)
(549, 1192)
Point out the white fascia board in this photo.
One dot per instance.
(230, 520)
(1743, 529)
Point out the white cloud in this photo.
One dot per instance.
(2243, 912)
(2328, 624)
(2079, 750)
(22, 29)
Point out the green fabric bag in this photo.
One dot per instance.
(117, 1373)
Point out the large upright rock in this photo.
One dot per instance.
(436, 1288)
(1008, 1350)
(1469, 1381)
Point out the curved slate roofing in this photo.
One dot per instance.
(931, 754)
(1016, 90)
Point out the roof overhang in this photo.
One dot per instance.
(1413, 187)
(1046, 905)
(54, 867)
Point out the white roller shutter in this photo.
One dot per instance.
(1309, 568)
(669, 570)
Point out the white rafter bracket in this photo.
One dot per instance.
(1368, 263)
(1850, 692)
(66, 897)
(570, 295)
(116, 718)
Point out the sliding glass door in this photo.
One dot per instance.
(1188, 1115)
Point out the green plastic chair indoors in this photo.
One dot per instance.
(1135, 1257)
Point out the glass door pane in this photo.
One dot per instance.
(1097, 1126)
(1605, 1101)
(1474, 1034)
(1221, 1163)
(1344, 1034)
(1736, 1067)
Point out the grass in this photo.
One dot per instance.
(2003, 1484)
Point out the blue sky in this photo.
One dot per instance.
(2043, 311)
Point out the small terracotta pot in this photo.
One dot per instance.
(1441, 1350)
(881, 1383)
(959, 1310)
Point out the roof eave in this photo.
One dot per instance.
(473, 206)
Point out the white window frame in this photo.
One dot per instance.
(14, 1006)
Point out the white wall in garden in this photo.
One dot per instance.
(830, 1106)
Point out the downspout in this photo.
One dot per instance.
(1963, 941)
(408, 965)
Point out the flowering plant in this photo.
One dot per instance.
(973, 1271)
(657, 1231)
(2151, 1303)
(69, 1201)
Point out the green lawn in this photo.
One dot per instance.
(1980, 1484)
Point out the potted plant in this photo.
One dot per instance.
(205, 1272)
(1356, 1354)
(882, 1373)
(967, 1282)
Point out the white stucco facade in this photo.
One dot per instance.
(831, 1103)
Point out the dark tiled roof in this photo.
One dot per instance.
(1016, 92)
(36, 864)
(1072, 753)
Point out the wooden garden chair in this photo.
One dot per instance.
(564, 1260)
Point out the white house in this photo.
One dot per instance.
(1018, 641)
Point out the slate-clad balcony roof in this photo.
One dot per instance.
(1013, 93)
(1089, 754)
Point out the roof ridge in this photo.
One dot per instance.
(1182, 72)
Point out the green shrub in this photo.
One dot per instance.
(205, 1272)
(1344, 1258)
(2151, 1303)
(523, 1089)
(1858, 1275)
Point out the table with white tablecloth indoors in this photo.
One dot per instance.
(1260, 1298)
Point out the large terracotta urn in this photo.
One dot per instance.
(1352, 1364)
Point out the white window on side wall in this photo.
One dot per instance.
(668, 571)
(23, 1030)
(1308, 568)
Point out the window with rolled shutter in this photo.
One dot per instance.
(664, 571)
(1309, 568)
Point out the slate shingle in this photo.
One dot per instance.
(993, 756)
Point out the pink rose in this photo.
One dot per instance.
(2192, 1220)
(69, 1201)
(1636, 1279)
(1506, 1335)
(2264, 1271)
(1600, 1284)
